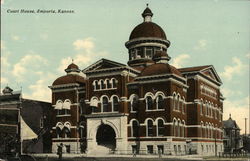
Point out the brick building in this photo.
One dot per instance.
(147, 106)
(24, 124)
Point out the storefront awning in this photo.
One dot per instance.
(26, 132)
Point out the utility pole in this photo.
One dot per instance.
(245, 126)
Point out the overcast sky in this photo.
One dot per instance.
(37, 47)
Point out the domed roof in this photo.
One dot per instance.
(148, 29)
(158, 69)
(70, 78)
(72, 68)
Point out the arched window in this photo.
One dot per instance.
(178, 128)
(201, 130)
(134, 103)
(173, 101)
(149, 103)
(104, 104)
(150, 128)
(115, 103)
(96, 85)
(183, 129)
(160, 102)
(178, 103)
(135, 128)
(114, 83)
(174, 129)
(59, 132)
(201, 109)
(67, 132)
(183, 105)
(103, 86)
(160, 127)
(108, 83)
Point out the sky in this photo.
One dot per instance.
(37, 47)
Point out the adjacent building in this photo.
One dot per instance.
(147, 106)
(232, 139)
(24, 124)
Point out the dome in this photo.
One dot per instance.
(148, 29)
(158, 69)
(67, 79)
(72, 68)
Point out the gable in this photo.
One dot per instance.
(103, 64)
(211, 73)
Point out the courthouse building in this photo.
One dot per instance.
(147, 106)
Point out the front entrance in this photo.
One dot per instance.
(105, 136)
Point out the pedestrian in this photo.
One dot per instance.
(134, 153)
(59, 151)
(160, 153)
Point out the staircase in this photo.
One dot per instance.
(101, 150)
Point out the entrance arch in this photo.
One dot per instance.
(106, 136)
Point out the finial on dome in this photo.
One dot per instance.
(147, 14)
(230, 116)
(72, 60)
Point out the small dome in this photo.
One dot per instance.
(67, 79)
(72, 68)
(148, 29)
(7, 90)
(158, 69)
(147, 12)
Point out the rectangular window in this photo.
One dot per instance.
(148, 53)
(150, 149)
(160, 149)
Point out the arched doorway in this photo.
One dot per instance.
(105, 136)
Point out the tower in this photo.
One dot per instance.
(147, 41)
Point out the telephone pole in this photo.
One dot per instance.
(245, 126)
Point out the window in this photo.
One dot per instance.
(160, 149)
(173, 129)
(178, 128)
(67, 132)
(149, 103)
(160, 127)
(178, 103)
(150, 149)
(160, 102)
(115, 103)
(133, 55)
(173, 101)
(148, 53)
(201, 109)
(135, 128)
(150, 128)
(104, 104)
(183, 106)
(108, 83)
(114, 83)
(58, 132)
(103, 84)
(134, 104)
(96, 85)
